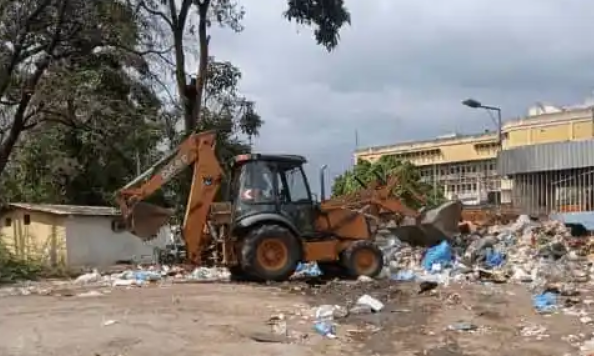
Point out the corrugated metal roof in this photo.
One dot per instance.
(68, 209)
(546, 157)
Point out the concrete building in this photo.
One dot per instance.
(72, 236)
(466, 165)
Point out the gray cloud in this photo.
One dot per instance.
(403, 67)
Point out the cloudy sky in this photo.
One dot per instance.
(402, 69)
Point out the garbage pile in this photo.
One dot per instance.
(153, 274)
(543, 255)
(538, 253)
(130, 277)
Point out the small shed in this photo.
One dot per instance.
(71, 235)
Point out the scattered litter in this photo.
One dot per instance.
(438, 257)
(405, 275)
(91, 293)
(324, 324)
(308, 270)
(278, 325)
(462, 326)
(371, 302)
(364, 279)
(535, 331)
(494, 259)
(545, 302)
(109, 322)
(87, 278)
(325, 328)
(427, 286)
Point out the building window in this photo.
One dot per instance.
(27, 219)
(7, 222)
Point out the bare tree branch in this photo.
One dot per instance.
(157, 13)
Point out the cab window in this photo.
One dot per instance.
(257, 182)
(296, 185)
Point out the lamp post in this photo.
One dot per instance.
(475, 104)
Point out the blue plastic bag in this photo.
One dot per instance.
(405, 275)
(494, 259)
(325, 328)
(308, 269)
(545, 302)
(439, 254)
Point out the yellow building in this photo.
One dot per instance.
(68, 235)
(547, 124)
(466, 165)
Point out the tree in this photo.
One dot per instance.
(45, 40)
(91, 118)
(387, 166)
(225, 110)
(327, 17)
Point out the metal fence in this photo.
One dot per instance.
(568, 190)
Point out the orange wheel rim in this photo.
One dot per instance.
(272, 254)
(365, 262)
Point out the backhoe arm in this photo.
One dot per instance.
(145, 220)
(376, 196)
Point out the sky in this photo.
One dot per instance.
(402, 69)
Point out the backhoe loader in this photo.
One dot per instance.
(267, 224)
(419, 228)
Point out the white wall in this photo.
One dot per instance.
(90, 242)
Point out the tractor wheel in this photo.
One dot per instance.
(363, 258)
(270, 253)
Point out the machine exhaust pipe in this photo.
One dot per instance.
(323, 183)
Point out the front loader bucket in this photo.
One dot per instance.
(145, 220)
(436, 225)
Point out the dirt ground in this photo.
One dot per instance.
(221, 319)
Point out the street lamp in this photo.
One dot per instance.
(475, 104)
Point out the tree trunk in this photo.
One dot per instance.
(202, 66)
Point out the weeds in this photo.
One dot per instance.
(14, 268)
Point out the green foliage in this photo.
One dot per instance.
(327, 17)
(94, 118)
(80, 112)
(409, 177)
(68, 62)
(13, 268)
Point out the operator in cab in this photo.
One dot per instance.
(257, 187)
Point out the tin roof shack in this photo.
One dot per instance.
(70, 235)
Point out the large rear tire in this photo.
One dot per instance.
(270, 253)
(363, 258)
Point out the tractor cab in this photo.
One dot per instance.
(272, 188)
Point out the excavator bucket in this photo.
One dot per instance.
(145, 220)
(435, 225)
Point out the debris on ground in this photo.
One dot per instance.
(541, 258)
